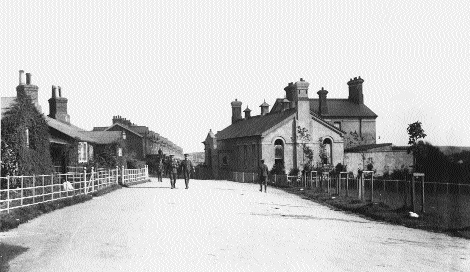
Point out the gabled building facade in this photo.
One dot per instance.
(273, 135)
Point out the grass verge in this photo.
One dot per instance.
(379, 211)
(22, 215)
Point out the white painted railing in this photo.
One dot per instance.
(23, 191)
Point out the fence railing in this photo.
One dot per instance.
(395, 193)
(23, 191)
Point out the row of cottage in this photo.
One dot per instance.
(338, 131)
(123, 139)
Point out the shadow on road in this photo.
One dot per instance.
(8, 253)
(306, 217)
(148, 187)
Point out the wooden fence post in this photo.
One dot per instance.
(413, 193)
(21, 201)
(84, 181)
(8, 194)
(422, 196)
(34, 188)
(117, 174)
(122, 175)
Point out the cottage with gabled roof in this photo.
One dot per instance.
(273, 135)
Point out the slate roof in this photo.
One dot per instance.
(254, 126)
(69, 130)
(342, 108)
(104, 137)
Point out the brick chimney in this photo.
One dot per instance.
(303, 104)
(264, 108)
(323, 106)
(58, 106)
(247, 112)
(236, 110)
(30, 89)
(291, 94)
(355, 90)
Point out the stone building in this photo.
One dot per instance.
(273, 135)
(141, 141)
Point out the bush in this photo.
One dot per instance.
(294, 172)
(278, 169)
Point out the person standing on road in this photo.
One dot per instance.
(186, 169)
(159, 170)
(263, 176)
(173, 171)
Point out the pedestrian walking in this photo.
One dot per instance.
(173, 171)
(186, 169)
(159, 170)
(263, 176)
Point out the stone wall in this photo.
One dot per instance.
(383, 161)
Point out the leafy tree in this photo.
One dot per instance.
(415, 133)
(305, 138)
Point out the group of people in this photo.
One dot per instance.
(185, 167)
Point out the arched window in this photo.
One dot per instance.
(328, 150)
(279, 152)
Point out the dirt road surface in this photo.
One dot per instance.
(223, 226)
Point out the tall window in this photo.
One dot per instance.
(279, 152)
(329, 151)
(90, 152)
(82, 152)
(253, 154)
(245, 157)
(27, 137)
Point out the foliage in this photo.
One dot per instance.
(105, 156)
(24, 159)
(370, 164)
(294, 172)
(353, 139)
(278, 169)
(322, 152)
(415, 132)
(305, 138)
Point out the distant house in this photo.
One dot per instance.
(140, 140)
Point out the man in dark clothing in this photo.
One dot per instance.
(186, 169)
(159, 170)
(263, 176)
(173, 171)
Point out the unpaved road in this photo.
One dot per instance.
(223, 226)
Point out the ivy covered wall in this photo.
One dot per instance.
(25, 139)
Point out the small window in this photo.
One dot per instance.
(119, 151)
(82, 152)
(338, 125)
(123, 135)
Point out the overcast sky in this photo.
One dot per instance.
(175, 66)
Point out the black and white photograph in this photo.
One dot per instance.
(235, 135)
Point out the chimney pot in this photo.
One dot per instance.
(60, 91)
(21, 82)
(28, 78)
(53, 91)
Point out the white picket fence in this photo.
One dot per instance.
(22, 191)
